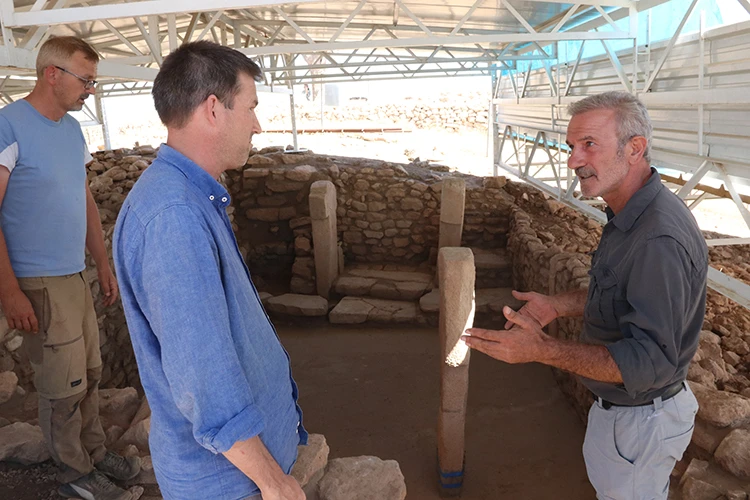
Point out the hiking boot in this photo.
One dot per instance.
(94, 486)
(119, 468)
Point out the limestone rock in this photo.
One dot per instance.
(298, 305)
(23, 443)
(706, 436)
(354, 285)
(113, 433)
(494, 182)
(733, 454)
(311, 460)
(695, 489)
(362, 478)
(697, 373)
(696, 468)
(736, 495)
(350, 311)
(144, 411)
(14, 343)
(138, 435)
(119, 405)
(301, 173)
(720, 408)
(264, 296)
(736, 345)
(430, 303)
(8, 384)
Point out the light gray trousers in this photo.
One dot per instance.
(630, 451)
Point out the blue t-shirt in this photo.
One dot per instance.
(43, 214)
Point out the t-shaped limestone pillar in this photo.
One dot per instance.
(456, 271)
(325, 244)
(452, 203)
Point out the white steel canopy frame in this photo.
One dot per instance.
(311, 41)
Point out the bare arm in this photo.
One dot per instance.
(253, 459)
(590, 361)
(94, 237)
(16, 306)
(98, 250)
(545, 308)
(570, 304)
(525, 342)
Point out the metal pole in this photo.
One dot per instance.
(102, 117)
(294, 118)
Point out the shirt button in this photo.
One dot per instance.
(211, 197)
(224, 199)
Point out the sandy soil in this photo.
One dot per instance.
(376, 392)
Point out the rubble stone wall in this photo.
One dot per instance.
(422, 115)
(386, 212)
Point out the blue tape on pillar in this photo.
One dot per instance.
(451, 475)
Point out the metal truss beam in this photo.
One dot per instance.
(135, 9)
(304, 48)
(730, 287)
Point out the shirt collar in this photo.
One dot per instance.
(637, 203)
(210, 187)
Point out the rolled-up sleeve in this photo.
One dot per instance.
(658, 294)
(184, 301)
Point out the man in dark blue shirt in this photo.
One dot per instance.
(225, 422)
(642, 313)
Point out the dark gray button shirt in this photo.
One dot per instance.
(647, 294)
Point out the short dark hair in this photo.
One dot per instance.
(195, 71)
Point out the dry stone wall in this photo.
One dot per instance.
(447, 114)
(386, 212)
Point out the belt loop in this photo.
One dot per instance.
(658, 403)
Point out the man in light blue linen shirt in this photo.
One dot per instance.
(225, 422)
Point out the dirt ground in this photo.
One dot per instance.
(375, 392)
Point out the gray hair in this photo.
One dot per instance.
(59, 50)
(630, 113)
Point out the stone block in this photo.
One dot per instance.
(311, 460)
(298, 305)
(119, 405)
(720, 408)
(362, 478)
(23, 443)
(733, 454)
(452, 202)
(8, 385)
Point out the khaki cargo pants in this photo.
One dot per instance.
(67, 367)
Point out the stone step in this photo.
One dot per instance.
(497, 259)
(383, 283)
(294, 304)
(494, 268)
(487, 300)
(358, 310)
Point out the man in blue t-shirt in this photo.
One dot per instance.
(48, 218)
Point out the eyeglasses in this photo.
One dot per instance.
(87, 84)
